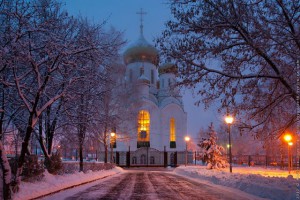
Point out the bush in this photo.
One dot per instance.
(32, 169)
(54, 166)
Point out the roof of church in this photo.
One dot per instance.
(141, 51)
(167, 68)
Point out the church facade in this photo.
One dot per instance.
(158, 130)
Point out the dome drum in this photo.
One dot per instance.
(168, 68)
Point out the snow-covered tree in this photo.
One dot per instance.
(212, 152)
(42, 49)
(243, 54)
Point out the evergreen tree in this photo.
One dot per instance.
(212, 154)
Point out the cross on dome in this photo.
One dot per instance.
(141, 13)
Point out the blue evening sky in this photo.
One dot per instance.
(122, 14)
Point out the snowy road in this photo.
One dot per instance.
(148, 185)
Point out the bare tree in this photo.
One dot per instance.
(87, 96)
(41, 47)
(243, 53)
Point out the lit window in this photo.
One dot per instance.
(172, 130)
(143, 126)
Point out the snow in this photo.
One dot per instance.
(268, 183)
(54, 183)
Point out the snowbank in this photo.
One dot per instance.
(248, 180)
(51, 183)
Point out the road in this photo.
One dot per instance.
(148, 185)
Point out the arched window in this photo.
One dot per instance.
(134, 160)
(152, 76)
(142, 71)
(143, 129)
(143, 159)
(130, 75)
(172, 133)
(152, 160)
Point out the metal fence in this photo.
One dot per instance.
(260, 160)
(150, 157)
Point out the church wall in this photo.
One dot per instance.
(175, 111)
(155, 142)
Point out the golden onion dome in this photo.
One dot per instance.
(141, 51)
(167, 68)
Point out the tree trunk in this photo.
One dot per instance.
(105, 145)
(24, 150)
(6, 173)
(48, 161)
(80, 156)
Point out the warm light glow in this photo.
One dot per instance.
(187, 138)
(290, 143)
(287, 137)
(112, 134)
(228, 145)
(228, 119)
(172, 130)
(143, 126)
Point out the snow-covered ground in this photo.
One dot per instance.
(51, 183)
(266, 183)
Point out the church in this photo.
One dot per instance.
(160, 124)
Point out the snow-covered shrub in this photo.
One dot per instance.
(54, 165)
(33, 169)
(213, 153)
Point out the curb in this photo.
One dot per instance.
(50, 193)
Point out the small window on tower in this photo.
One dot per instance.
(152, 76)
(130, 75)
(141, 71)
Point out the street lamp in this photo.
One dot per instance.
(229, 120)
(291, 157)
(187, 139)
(288, 139)
(112, 136)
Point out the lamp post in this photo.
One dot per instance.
(229, 120)
(227, 151)
(187, 139)
(291, 158)
(112, 135)
(288, 139)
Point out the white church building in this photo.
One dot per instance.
(160, 124)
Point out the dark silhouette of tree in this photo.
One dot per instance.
(242, 53)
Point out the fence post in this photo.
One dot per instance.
(249, 160)
(165, 157)
(117, 158)
(128, 158)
